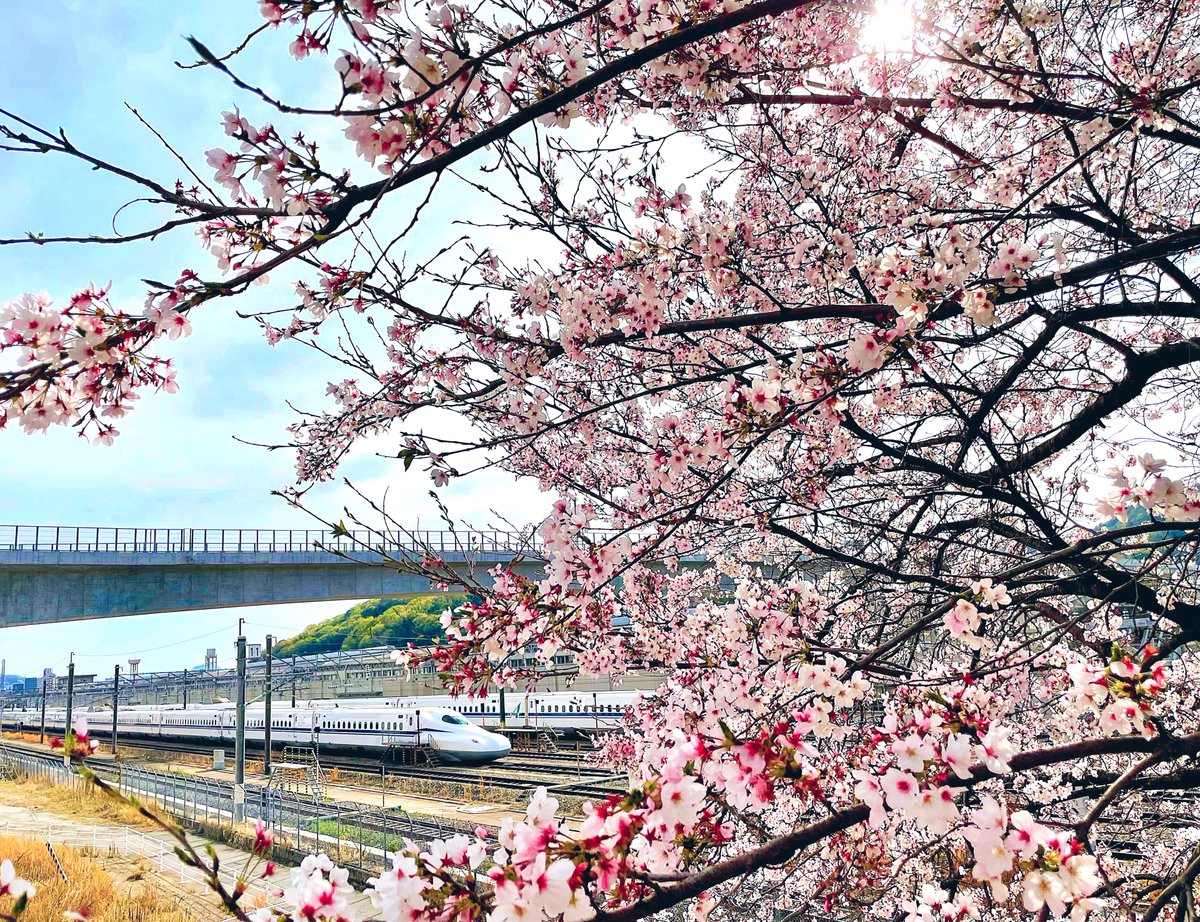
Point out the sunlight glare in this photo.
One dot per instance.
(889, 27)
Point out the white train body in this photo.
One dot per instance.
(381, 728)
(580, 712)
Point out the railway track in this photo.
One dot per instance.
(596, 786)
(369, 765)
(516, 775)
(273, 807)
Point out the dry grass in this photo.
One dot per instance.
(24, 737)
(89, 888)
(79, 803)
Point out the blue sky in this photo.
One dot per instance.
(177, 463)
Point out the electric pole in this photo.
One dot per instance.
(116, 699)
(185, 677)
(239, 752)
(70, 706)
(293, 681)
(267, 712)
(42, 739)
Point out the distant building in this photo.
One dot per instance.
(210, 659)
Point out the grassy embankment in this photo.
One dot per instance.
(126, 896)
(84, 803)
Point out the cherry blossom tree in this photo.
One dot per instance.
(888, 313)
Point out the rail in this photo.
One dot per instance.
(83, 539)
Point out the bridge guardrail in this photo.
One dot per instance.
(258, 540)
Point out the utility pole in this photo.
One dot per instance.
(42, 739)
(503, 712)
(239, 752)
(116, 699)
(267, 711)
(70, 706)
(293, 681)
(185, 691)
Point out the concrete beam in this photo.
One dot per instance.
(41, 587)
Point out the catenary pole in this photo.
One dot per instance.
(270, 691)
(239, 752)
(42, 738)
(70, 707)
(116, 700)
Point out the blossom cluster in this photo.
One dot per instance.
(318, 890)
(1120, 695)
(11, 885)
(78, 744)
(83, 363)
(1152, 490)
(964, 619)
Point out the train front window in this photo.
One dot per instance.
(452, 719)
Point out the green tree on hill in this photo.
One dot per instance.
(374, 623)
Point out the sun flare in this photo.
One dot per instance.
(889, 27)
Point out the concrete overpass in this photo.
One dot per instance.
(52, 573)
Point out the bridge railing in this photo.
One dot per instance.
(254, 540)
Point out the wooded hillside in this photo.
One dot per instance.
(377, 622)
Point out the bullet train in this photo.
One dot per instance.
(380, 727)
(585, 713)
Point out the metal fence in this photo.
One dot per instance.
(39, 768)
(354, 834)
(158, 853)
(257, 540)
